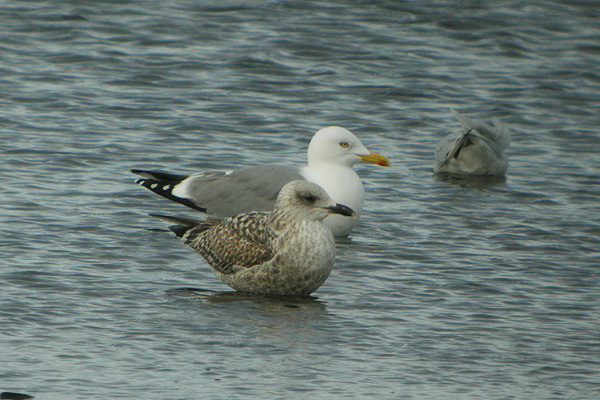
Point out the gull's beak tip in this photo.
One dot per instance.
(375, 158)
(342, 210)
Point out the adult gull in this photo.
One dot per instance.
(477, 150)
(332, 153)
(285, 252)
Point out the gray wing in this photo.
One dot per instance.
(448, 148)
(221, 194)
(236, 243)
(497, 135)
(242, 191)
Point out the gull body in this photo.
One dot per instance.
(332, 153)
(285, 252)
(477, 150)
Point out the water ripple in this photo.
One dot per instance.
(450, 287)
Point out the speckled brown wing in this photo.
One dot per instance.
(234, 243)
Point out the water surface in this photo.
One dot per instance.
(448, 288)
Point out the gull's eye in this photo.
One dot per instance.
(311, 198)
(344, 145)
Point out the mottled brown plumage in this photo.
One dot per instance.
(288, 251)
(238, 242)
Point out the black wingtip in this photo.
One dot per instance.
(180, 224)
(160, 176)
(165, 190)
(14, 396)
(179, 230)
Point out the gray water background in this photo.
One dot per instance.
(448, 289)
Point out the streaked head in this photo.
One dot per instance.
(305, 200)
(339, 146)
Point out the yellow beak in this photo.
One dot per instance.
(376, 159)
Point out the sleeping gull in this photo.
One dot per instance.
(332, 153)
(478, 150)
(285, 252)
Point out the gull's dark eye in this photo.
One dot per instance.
(311, 198)
(344, 145)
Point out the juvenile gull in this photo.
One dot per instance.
(332, 153)
(478, 150)
(285, 252)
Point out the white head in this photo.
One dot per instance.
(339, 146)
(305, 200)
